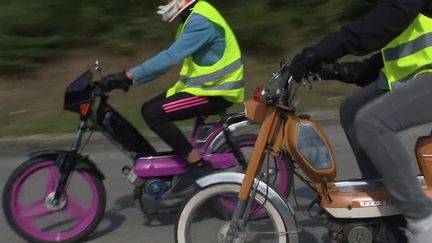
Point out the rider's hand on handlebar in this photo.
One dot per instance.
(115, 81)
(303, 63)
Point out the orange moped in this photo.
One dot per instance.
(356, 211)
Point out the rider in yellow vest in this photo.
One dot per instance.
(211, 78)
(397, 95)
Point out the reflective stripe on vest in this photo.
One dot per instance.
(212, 76)
(408, 55)
(398, 83)
(408, 48)
(225, 77)
(224, 86)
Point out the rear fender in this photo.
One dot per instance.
(284, 208)
(83, 163)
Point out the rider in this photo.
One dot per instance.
(397, 95)
(211, 78)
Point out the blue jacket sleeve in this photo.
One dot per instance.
(198, 32)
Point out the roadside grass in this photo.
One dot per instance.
(32, 104)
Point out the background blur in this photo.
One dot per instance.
(45, 44)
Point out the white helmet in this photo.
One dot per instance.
(171, 10)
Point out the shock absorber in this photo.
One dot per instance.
(238, 154)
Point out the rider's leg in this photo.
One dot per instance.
(146, 109)
(348, 110)
(377, 125)
(159, 113)
(159, 116)
(157, 120)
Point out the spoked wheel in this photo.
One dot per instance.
(277, 173)
(197, 223)
(30, 210)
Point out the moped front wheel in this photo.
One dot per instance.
(197, 223)
(31, 211)
(280, 172)
(279, 175)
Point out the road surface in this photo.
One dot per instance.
(124, 222)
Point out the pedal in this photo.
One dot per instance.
(132, 177)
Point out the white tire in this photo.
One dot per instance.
(189, 210)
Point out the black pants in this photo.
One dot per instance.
(160, 112)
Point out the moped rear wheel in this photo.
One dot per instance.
(30, 211)
(196, 221)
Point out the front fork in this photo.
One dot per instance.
(247, 190)
(67, 163)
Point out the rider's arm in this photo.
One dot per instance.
(198, 32)
(364, 72)
(383, 23)
(361, 73)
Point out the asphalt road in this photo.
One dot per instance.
(124, 222)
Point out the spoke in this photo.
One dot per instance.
(75, 209)
(52, 180)
(37, 210)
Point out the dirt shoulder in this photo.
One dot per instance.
(26, 144)
(31, 112)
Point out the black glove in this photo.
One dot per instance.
(329, 71)
(337, 71)
(303, 63)
(115, 81)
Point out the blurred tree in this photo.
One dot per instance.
(33, 31)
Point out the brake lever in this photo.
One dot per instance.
(98, 68)
(310, 77)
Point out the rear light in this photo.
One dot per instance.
(84, 109)
(257, 95)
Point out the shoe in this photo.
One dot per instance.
(195, 171)
(419, 231)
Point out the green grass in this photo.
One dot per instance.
(37, 99)
(66, 122)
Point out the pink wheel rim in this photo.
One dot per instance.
(25, 217)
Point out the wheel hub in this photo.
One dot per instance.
(55, 205)
(360, 234)
(223, 232)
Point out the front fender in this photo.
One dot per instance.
(285, 209)
(82, 164)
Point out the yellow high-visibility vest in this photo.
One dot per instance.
(225, 77)
(409, 55)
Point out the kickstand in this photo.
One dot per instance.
(309, 207)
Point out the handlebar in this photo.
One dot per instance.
(98, 90)
(98, 68)
(286, 89)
